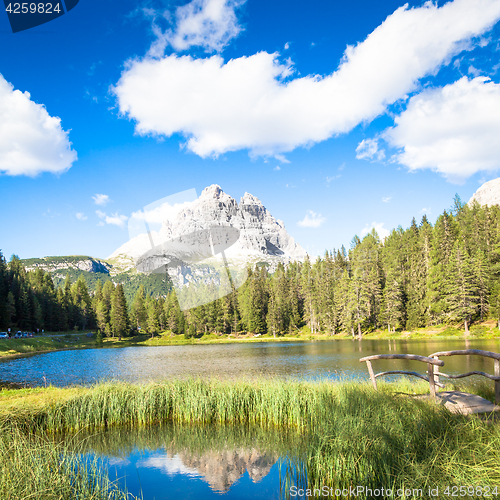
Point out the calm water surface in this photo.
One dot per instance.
(336, 359)
(190, 462)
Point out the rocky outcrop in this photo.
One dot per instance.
(488, 193)
(261, 236)
(53, 264)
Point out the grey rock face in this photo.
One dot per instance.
(88, 264)
(262, 237)
(488, 193)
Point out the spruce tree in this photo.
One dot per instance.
(119, 313)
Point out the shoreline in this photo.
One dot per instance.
(178, 340)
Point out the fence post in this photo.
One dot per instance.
(436, 370)
(430, 372)
(497, 382)
(372, 375)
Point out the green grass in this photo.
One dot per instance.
(354, 435)
(35, 467)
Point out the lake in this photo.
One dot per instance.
(171, 462)
(334, 360)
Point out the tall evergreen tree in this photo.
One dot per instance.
(119, 313)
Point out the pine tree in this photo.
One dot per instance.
(392, 309)
(139, 314)
(153, 323)
(461, 290)
(119, 313)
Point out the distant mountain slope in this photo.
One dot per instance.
(93, 269)
(488, 193)
(76, 262)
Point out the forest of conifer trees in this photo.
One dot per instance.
(421, 276)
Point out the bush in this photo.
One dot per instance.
(450, 332)
(479, 330)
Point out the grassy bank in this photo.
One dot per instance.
(35, 467)
(71, 340)
(354, 435)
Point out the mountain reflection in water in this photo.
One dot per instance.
(196, 462)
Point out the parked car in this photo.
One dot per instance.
(4, 335)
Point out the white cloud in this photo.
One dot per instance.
(101, 199)
(31, 141)
(113, 219)
(116, 220)
(426, 211)
(287, 46)
(161, 213)
(210, 24)
(387, 199)
(368, 149)
(251, 103)
(81, 216)
(172, 465)
(332, 178)
(452, 130)
(277, 168)
(281, 158)
(379, 228)
(312, 219)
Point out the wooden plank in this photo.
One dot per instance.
(465, 403)
(402, 372)
(468, 374)
(413, 357)
(468, 352)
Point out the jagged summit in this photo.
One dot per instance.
(488, 193)
(261, 237)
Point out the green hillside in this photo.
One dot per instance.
(155, 285)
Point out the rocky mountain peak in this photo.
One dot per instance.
(261, 236)
(250, 199)
(213, 191)
(488, 193)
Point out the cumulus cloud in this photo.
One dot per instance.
(161, 213)
(101, 199)
(387, 199)
(255, 103)
(452, 130)
(81, 216)
(210, 24)
(31, 141)
(113, 219)
(379, 228)
(116, 220)
(312, 219)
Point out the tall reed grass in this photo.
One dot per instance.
(352, 435)
(35, 467)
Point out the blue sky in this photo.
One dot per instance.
(339, 116)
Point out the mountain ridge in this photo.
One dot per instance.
(261, 235)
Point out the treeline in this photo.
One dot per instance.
(424, 275)
(421, 276)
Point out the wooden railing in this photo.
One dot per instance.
(431, 363)
(474, 352)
